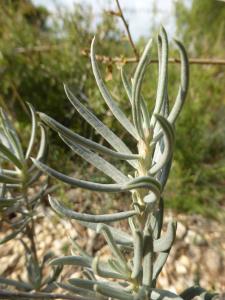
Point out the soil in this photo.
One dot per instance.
(198, 254)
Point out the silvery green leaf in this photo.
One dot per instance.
(119, 236)
(76, 249)
(165, 242)
(159, 294)
(157, 220)
(97, 161)
(4, 140)
(147, 182)
(17, 284)
(103, 130)
(169, 144)
(162, 80)
(126, 85)
(80, 291)
(164, 111)
(102, 228)
(83, 283)
(43, 148)
(108, 98)
(62, 210)
(161, 260)
(89, 284)
(72, 260)
(104, 270)
(147, 258)
(10, 172)
(144, 109)
(165, 102)
(163, 177)
(10, 156)
(115, 265)
(76, 138)
(12, 136)
(112, 292)
(34, 271)
(33, 130)
(77, 182)
(111, 188)
(136, 87)
(182, 93)
(138, 250)
(8, 179)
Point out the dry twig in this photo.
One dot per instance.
(121, 15)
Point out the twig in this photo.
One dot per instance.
(121, 59)
(126, 60)
(4, 294)
(121, 15)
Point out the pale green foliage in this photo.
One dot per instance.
(17, 176)
(155, 137)
(133, 275)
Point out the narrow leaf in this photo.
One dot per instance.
(97, 186)
(80, 291)
(182, 93)
(165, 242)
(97, 161)
(119, 236)
(6, 152)
(18, 284)
(169, 144)
(62, 210)
(144, 109)
(102, 228)
(108, 98)
(161, 260)
(138, 250)
(101, 128)
(115, 293)
(33, 130)
(7, 179)
(136, 87)
(83, 141)
(11, 135)
(162, 80)
(147, 258)
(72, 260)
(103, 270)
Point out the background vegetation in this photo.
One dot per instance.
(39, 51)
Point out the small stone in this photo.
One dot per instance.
(181, 231)
(195, 238)
(180, 269)
(184, 260)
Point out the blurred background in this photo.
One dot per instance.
(45, 43)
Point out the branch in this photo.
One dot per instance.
(120, 59)
(121, 15)
(126, 60)
(4, 294)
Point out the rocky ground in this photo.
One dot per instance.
(197, 256)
